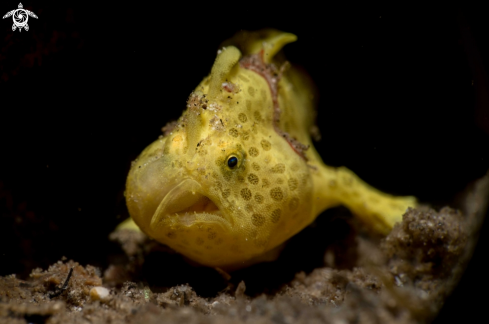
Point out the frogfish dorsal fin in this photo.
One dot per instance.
(271, 41)
(225, 61)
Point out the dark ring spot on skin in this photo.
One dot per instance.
(257, 220)
(232, 162)
(276, 215)
(246, 194)
(253, 179)
(253, 151)
(276, 194)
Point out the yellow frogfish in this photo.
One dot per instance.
(237, 174)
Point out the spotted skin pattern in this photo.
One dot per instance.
(187, 190)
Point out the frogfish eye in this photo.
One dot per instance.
(232, 161)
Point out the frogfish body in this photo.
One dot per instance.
(237, 174)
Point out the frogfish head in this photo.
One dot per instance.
(221, 187)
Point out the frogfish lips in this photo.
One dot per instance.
(185, 205)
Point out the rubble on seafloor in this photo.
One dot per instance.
(402, 278)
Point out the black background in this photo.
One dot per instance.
(89, 86)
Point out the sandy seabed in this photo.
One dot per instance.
(354, 277)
